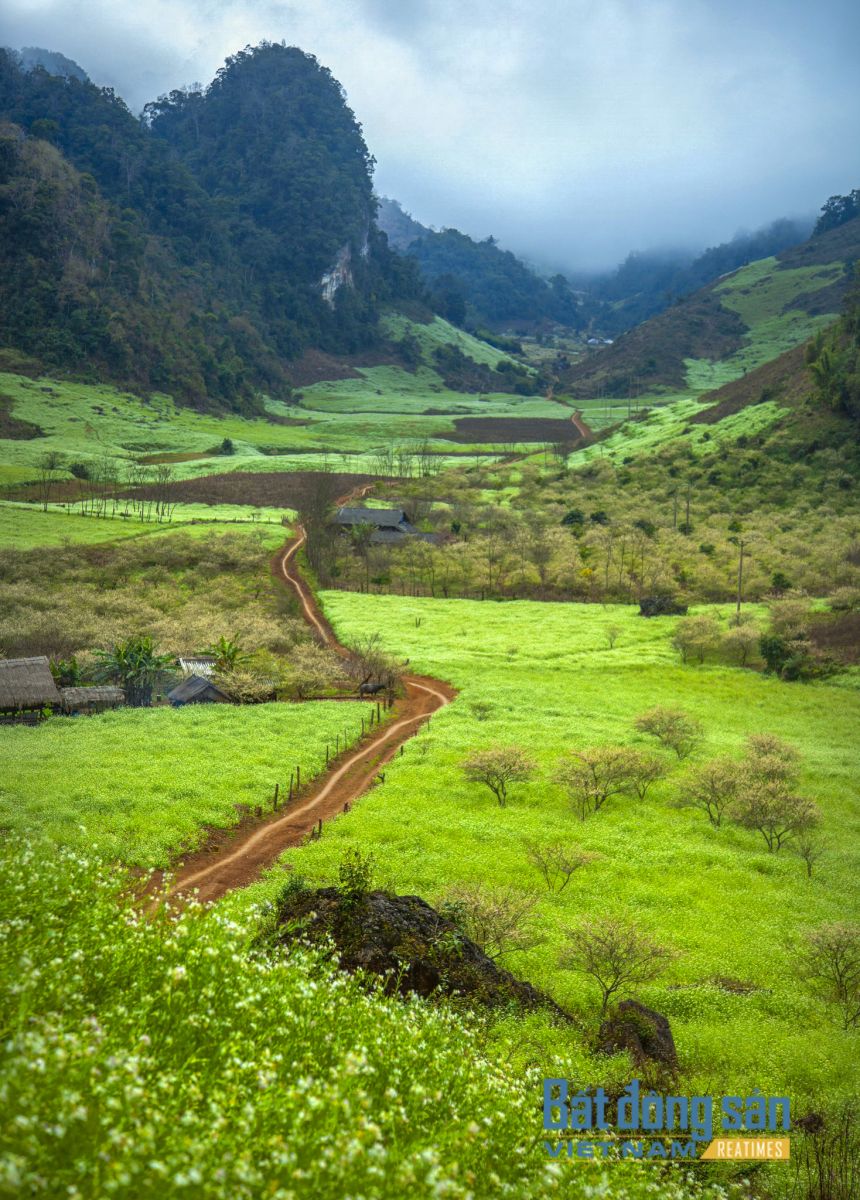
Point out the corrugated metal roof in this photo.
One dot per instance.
(27, 683)
(198, 666)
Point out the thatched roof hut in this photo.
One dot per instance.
(91, 699)
(27, 683)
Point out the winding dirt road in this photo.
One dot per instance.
(233, 859)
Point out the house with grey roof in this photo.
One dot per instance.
(390, 525)
(196, 689)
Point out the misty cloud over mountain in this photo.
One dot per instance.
(573, 132)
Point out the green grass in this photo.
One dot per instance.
(384, 404)
(764, 295)
(150, 1059)
(439, 332)
(716, 896)
(141, 784)
(24, 526)
(670, 421)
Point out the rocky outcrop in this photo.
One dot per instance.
(338, 276)
(646, 1034)
(407, 943)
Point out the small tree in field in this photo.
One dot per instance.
(497, 768)
(830, 962)
(590, 777)
(713, 788)
(497, 920)
(673, 728)
(741, 641)
(774, 811)
(644, 769)
(766, 799)
(615, 953)
(810, 849)
(557, 863)
(695, 636)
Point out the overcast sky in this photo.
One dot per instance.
(572, 130)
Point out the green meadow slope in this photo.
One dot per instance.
(729, 327)
(545, 677)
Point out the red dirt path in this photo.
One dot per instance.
(235, 859)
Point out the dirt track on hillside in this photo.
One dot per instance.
(234, 859)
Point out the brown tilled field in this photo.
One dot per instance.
(506, 430)
(257, 488)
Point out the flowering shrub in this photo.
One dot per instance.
(159, 1056)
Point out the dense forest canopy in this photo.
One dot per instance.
(184, 252)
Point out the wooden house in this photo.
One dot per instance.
(196, 689)
(390, 525)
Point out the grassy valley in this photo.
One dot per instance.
(555, 650)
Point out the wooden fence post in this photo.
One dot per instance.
(275, 798)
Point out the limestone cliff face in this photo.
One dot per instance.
(340, 274)
(337, 276)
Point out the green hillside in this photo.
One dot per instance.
(184, 262)
(730, 326)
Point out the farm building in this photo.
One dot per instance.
(196, 689)
(197, 665)
(91, 699)
(26, 687)
(390, 525)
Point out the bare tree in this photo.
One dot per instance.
(713, 788)
(370, 663)
(695, 636)
(557, 863)
(645, 769)
(590, 777)
(498, 920)
(830, 961)
(497, 768)
(673, 728)
(49, 463)
(315, 503)
(810, 849)
(741, 641)
(828, 1154)
(615, 953)
(771, 808)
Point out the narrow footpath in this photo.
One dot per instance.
(234, 859)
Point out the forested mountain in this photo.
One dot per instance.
(399, 226)
(740, 320)
(187, 252)
(647, 283)
(49, 60)
(477, 283)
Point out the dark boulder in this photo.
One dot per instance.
(402, 939)
(644, 1033)
(661, 606)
